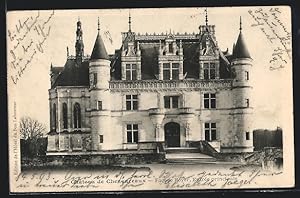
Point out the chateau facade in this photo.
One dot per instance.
(158, 91)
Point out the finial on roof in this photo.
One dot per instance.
(67, 51)
(240, 23)
(206, 18)
(98, 25)
(129, 22)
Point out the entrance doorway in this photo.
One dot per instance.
(172, 134)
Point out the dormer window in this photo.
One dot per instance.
(209, 70)
(170, 47)
(131, 71)
(170, 71)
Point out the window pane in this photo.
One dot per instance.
(175, 74)
(135, 136)
(133, 75)
(135, 105)
(166, 65)
(212, 74)
(167, 102)
(207, 135)
(127, 66)
(129, 127)
(99, 105)
(128, 77)
(101, 138)
(205, 65)
(213, 125)
(206, 125)
(135, 127)
(171, 48)
(175, 102)
(206, 74)
(213, 103)
(129, 138)
(134, 66)
(128, 97)
(206, 103)
(206, 95)
(213, 95)
(134, 96)
(175, 65)
(128, 105)
(213, 134)
(212, 65)
(166, 74)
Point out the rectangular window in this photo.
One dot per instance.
(166, 71)
(99, 105)
(212, 71)
(93, 79)
(247, 135)
(210, 129)
(100, 139)
(170, 48)
(171, 102)
(175, 71)
(131, 102)
(132, 133)
(170, 71)
(209, 71)
(209, 101)
(246, 75)
(131, 71)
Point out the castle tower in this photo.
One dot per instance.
(241, 89)
(99, 71)
(79, 47)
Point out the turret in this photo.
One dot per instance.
(99, 71)
(79, 46)
(242, 101)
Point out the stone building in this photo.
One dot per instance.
(156, 92)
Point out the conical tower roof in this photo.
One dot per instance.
(240, 49)
(99, 51)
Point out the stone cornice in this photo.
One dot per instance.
(160, 85)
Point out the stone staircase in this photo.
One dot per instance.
(189, 155)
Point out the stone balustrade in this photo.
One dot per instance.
(156, 111)
(166, 84)
(187, 110)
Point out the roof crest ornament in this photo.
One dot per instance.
(98, 25)
(206, 18)
(129, 22)
(240, 23)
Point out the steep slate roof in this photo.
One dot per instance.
(99, 51)
(240, 49)
(73, 74)
(149, 60)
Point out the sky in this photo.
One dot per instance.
(272, 89)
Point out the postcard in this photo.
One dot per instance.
(142, 99)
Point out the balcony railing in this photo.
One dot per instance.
(187, 110)
(156, 111)
(166, 84)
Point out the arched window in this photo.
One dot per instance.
(54, 116)
(65, 115)
(77, 116)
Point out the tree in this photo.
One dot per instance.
(31, 132)
(31, 129)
